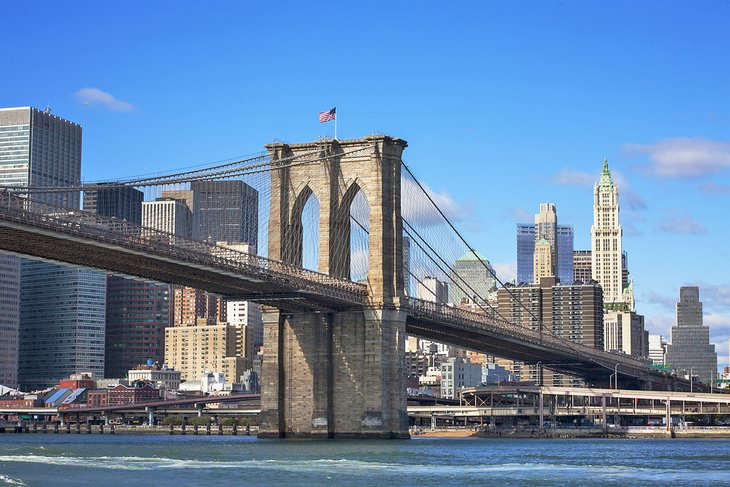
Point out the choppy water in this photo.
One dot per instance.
(237, 460)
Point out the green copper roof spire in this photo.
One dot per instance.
(605, 181)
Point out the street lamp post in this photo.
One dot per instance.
(615, 373)
(691, 378)
(539, 374)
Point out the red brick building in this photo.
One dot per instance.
(135, 393)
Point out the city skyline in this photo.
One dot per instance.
(521, 85)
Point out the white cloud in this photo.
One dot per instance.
(684, 156)
(95, 96)
(678, 222)
(506, 271)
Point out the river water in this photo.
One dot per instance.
(53, 460)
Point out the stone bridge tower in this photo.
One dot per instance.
(338, 373)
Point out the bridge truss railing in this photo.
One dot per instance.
(151, 241)
(480, 322)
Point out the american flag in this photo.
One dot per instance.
(328, 116)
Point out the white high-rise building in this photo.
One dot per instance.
(168, 215)
(606, 234)
(431, 289)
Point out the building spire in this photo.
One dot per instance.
(605, 181)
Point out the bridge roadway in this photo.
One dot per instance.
(86, 239)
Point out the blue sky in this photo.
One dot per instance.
(504, 105)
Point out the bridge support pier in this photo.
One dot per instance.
(334, 375)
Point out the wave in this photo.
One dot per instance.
(5, 480)
(519, 470)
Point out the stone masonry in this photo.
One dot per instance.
(338, 373)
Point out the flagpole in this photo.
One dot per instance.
(336, 124)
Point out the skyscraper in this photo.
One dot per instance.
(62, 316)
(9, 318)
(40, 149)
(123, 203)
(137, 312)
(228, 211)
(61, 308)
(606, 233)
(546, 228)
(690, 351)
(168, 215)
(472, 279)
(560, 239)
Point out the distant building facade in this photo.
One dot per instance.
(472, 279)
(560, 238)
(194, 350)
(227, 212)
(571, 311)
(690, 351)
(582, 266)
(458, 373)
(9, 318)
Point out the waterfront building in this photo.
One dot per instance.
(61, 326)
(457, 374)
(472, 280)
(203, 347)
(9, 319)
(582, 266)
(137, 392)
(162, 376)
(690, 351)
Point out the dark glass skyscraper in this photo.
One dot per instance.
(227, 211)
(123, 203)
(137, 312)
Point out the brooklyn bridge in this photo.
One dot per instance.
(337, 300)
